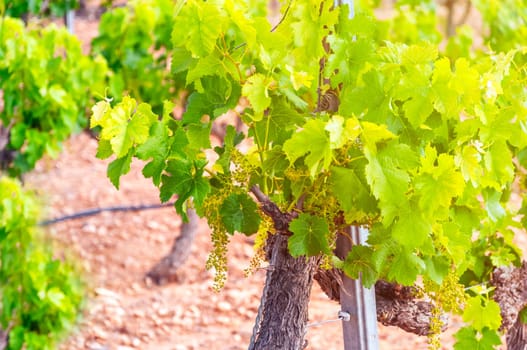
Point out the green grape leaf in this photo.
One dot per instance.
(342, 130)
(186, 180)
(438, 184)
(99, 113)
(351, 193)
(119, 167)
(445, 98)
(275, 162)
(419, 54)
(218, 96)
(104, 149)
(522, 316)
(123, 127)
(482, 313)
(207, 66)
(373, 134)
(179, 181)
(239, 213)
(277, 124)
(198, 105)
(502, 256)
(418, 109)
(56, 297)
(16, 337)
(58, 95)
(388, 180)
(405, 267)
(493, 205)
(199, 25)
(198, 136)
(469, 164)
(359, 51)
(17, 135)
(315, 22)
(498, 161)
(238, 15)
(311, 140)
(469, 338)
(181, 60)
(369, 98)
(466, 81)
(414, 88)
(457, 243)
(358, 263)
(437, 268)
(156, 148)
(256, 91)
(411, 229)
(309, 236)
(178, 143)
(384, 250)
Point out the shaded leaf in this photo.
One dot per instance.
(309, 236)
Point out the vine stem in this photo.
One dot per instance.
(283, 17)
(227, 55)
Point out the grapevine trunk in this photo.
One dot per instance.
(283, 314)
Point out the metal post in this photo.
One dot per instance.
(360, 332)
(69, 18)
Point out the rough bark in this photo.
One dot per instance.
(517, 336)
(510, 292)
(396, 305)
(511, 295)
(283, 313)
(412, 315)
(166, 269)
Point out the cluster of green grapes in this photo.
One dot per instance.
(329, 205)
(217, 259)
(448, 296)
(295, 175)
(260, 239)
(243, 169)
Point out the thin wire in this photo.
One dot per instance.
(315, 324)
(343, 316)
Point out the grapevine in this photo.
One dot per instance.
(42, 296)
(45, 91)
(421, 149)
(135, 40)
(19, 8)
